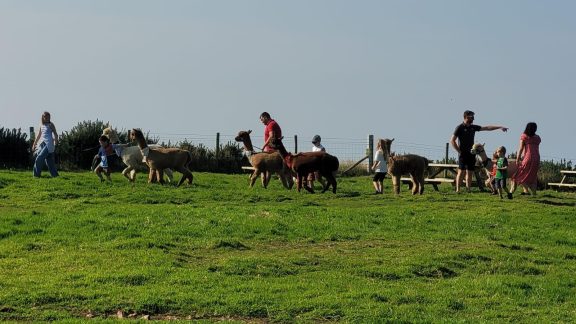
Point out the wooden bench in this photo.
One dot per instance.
(566, 174)
(433, 181)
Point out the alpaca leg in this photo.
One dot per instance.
(396, 184)
(170, 175)
(283, 179)
(289, 179)
(330, 181)
(254, 176)
(151, 174)
(186, 175)
(304, 178)
(420, 181)
(126, 173)
(298, 182)
(160, 176)
(266, 178)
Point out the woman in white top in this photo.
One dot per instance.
(45, 145)
(380, 167)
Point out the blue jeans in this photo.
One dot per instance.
(45, 157)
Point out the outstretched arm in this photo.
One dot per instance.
(493, 127)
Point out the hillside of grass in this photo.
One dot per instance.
(73, 248)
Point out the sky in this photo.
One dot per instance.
(187, 69)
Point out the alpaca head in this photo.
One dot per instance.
(111, 134)
(386, 145)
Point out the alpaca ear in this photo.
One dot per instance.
(392, 140)
(249, 131)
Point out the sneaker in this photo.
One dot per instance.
(524, 193)
(509, 195)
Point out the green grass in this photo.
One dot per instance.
(72, 248)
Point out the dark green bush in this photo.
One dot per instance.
(15, 148)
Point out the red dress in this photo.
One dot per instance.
(528, 169)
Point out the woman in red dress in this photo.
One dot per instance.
(528, 157)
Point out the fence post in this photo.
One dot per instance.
(295, 144)
(446, 161)
(370, 152)
(217, 150)
(32, 135)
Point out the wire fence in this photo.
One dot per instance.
(346, 149)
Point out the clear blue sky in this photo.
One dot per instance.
(401, 69)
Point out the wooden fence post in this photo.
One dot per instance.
(370, 152)
(32, 135)
(295, 144)
(217, 150)
(446, 161)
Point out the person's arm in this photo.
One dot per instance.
(455, 144)
(521, 147)
(493, 127)
(504, 166)
(271, 137)
(37, 138)
(53, 128)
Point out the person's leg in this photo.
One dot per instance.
(107, 173)
(459, 177)
(98, 172)
(468, 180)
(51, 163)
(508, 193)
(40, 160)
(513, 186)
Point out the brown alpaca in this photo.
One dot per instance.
(414, 165)
(305, 163)
(159, 159)
(265, 163)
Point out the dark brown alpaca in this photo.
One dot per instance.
(411, 164)
(304, 163)
(159, 159)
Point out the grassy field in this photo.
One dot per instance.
(73, 248)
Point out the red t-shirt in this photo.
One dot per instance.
(272, 126)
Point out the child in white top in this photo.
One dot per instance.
(380, 167)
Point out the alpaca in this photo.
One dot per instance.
(265, 163)
(412, 164)
(160, 159)
(131, 156)
(305, 163)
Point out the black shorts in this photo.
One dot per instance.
(379, 176)
(467, 161)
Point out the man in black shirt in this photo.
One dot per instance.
(464, 133)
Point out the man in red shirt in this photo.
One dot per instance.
(271, 131)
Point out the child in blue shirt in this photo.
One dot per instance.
(104, 152)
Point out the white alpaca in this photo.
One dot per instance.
(131, 156)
